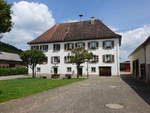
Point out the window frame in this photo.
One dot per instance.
(68, 46)
(93, 48)
(112, 44)
(94, 69)
(78, 43)
(40, 47)
(69, 69)
(56, 47)
(112, 58)
(38, 69)
(95, 59)
(53, 60)
(67, 59)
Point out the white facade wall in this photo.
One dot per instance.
(62, 67)
(148, 54)
(140, 55)
(148, 62)
(143, 56)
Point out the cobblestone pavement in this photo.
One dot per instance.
(95, 95)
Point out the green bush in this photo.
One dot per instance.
(13, 71)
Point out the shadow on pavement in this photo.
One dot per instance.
(142, 89)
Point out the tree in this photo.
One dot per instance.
(32, 58)
(5, 17)
(79, 56)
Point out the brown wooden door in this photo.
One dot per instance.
(55, 70)
(104, 71)
(80, 71)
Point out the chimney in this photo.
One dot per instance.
(92, 20)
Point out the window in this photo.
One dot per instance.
(80, 45)
(108, 58)
(67, 59)
(38, 69)
(55, 59)
(68, 69)
(94, 59)
(44, 47)
(69, 46)
(93, 45)
(93, 69)
(56, 47)
(41, 47)
(108, 44)
(35, 47)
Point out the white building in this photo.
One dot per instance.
(140, 61)
(92, 35)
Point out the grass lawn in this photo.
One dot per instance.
(16, 88)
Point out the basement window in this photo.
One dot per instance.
(38, 69)
(93, 69)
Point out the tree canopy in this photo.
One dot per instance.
(5, 17)
(79, 56)
(32, 58)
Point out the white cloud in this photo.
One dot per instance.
(113, 28)
(68, 21)
(30, 20)
(132, 39)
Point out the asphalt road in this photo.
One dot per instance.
(94, 95)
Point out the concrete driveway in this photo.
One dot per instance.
(95, 95)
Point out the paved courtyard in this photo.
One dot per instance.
(95, 95)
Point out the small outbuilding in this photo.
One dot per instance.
(140, 61)
(9, 60)
(125, 67)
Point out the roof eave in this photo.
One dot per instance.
(100, 38)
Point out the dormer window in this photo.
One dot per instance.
(93, 45)
(56, 47)
(55, 59)
(108, 58)
(108, 44)
(80, 45)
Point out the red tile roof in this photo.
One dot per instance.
(76, 31)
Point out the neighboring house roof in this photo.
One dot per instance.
(9, 57)
(76, 31)
(142, 45)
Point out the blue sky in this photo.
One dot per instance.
(122, 14)
(130, 18)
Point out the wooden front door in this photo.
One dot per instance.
(136, 68)
(55, 70)
(104, 71)
(80, 71)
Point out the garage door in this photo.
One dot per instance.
(105, 71)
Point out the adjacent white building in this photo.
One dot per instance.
(140, 61)
(93, 35)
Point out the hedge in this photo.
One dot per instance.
(13, 71)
